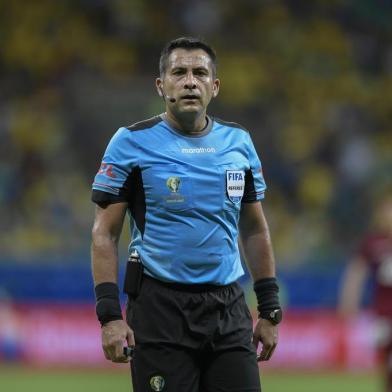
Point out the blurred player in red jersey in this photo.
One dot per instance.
(374, 257)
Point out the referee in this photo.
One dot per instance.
(191, 185)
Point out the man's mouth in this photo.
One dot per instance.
(190, 96)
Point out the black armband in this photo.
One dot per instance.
(268, 305)
(107, 306)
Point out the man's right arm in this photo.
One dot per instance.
(106, 233)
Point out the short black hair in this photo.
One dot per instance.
(187, 43)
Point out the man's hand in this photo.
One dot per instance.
(266, 333)
(114, 335)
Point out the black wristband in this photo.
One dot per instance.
(267, 290)
(107, 306)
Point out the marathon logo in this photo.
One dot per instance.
(199, 150)
(235, 185)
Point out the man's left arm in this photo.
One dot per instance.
(257, 247)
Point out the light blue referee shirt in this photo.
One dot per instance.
(184, 196)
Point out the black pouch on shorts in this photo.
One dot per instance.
(133, 279)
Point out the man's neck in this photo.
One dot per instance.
(188, 122)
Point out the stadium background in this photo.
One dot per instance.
(311, 80)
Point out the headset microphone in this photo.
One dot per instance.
(166, 97)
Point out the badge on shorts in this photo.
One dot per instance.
(157, 383)
(235, 185)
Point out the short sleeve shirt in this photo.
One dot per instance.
(184, 196)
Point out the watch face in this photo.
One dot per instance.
(276, 316)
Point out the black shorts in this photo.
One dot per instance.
(192, 339)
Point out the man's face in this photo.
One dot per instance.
(189, 80)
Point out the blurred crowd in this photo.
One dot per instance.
(312, 81)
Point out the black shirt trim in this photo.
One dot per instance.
(230, 124)
(250, 194)
(145, 124)
(104, 198)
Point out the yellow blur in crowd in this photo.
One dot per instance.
(312, 82)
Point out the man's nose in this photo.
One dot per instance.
(190, 83)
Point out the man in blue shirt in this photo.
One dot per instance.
(190, 183)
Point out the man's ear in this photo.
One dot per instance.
(158, 85)
(215, 88)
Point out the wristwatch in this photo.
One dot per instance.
(275, 316)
